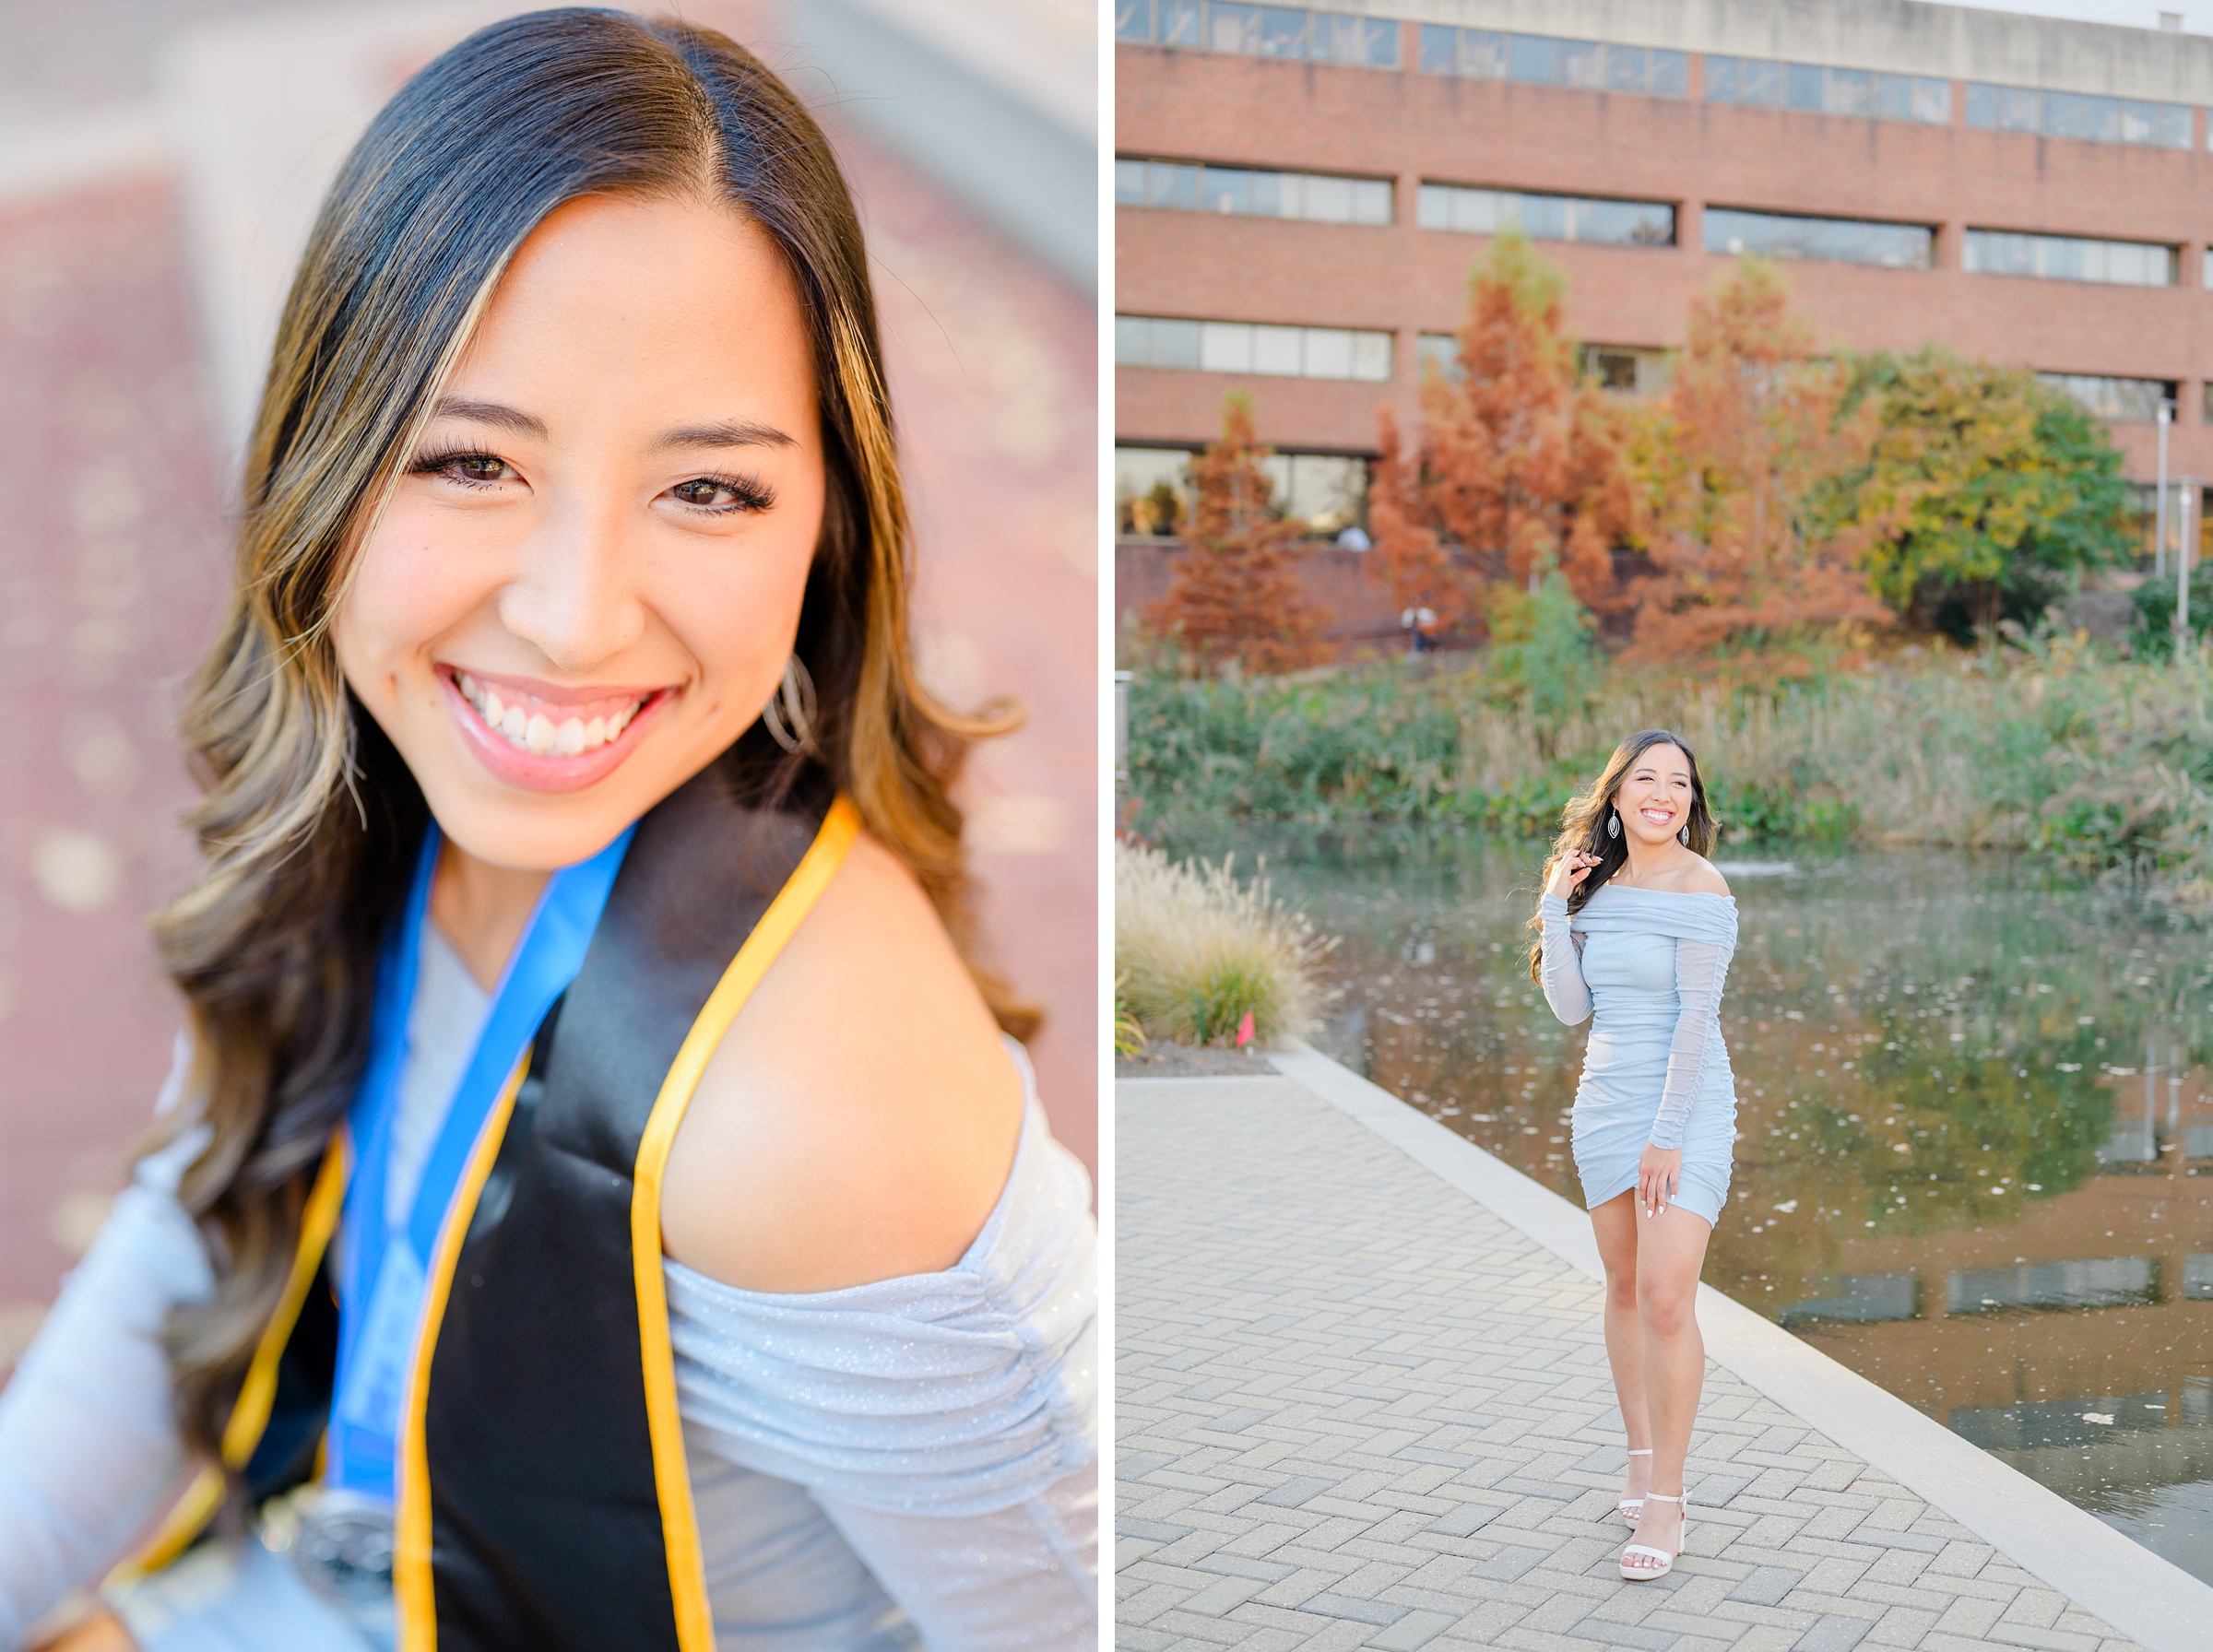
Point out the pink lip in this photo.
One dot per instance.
(551, 771)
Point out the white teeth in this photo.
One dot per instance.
(535, 732)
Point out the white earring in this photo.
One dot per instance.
(1683, 837)
(790, 713)
(1613, 825)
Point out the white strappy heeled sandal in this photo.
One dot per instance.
(1661, 1562)
(1628, 1506)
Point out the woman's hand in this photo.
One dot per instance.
(1657, 1170)
(1568, 871)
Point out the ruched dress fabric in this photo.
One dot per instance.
(1646, 968)
(912, 1462)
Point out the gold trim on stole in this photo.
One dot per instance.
(414, 1594)
(250, 1415)
(680, 1526)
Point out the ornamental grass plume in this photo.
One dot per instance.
(1195, 949)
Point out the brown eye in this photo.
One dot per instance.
(705, 494)
(471, 470)
(723, 495)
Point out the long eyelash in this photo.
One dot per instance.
(429, 463)
(752, 495)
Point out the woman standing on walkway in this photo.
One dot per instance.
(601, 1206)
(1637, 927)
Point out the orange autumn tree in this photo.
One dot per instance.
(1236, 594)
(1518, 464)
(1742, 548)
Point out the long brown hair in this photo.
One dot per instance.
(1583, 826)
(309, 822)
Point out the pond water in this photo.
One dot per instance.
(1975, 1151)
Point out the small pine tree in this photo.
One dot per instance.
(1519, 467)
(1236, 594)
(1756, 430)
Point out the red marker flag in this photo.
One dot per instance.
(1245, 1030)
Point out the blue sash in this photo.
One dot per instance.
(382, 1288)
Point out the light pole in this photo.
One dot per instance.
(2159, 544)
(2182, 572)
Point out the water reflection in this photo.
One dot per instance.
(1972, 1117)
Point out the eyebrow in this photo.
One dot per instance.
(495, 414)
(731, 433)
(728, 432)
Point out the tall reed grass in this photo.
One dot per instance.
(2054, 749)
(1196, 951)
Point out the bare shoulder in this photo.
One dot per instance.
(1704, 878)
(858, 1119)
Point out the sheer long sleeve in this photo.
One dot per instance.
(1019, 1579)
(1560, 963)
(89, 1443)
(1700, 966)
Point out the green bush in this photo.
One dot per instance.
(2153, 635)
(2053, 749)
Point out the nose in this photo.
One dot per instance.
(574, 595)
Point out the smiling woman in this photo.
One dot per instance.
(1636, 927)
(598, 1204)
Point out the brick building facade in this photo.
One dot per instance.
(2018, 188)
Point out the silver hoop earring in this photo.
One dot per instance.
(1613, 825)
(1683, 837)
(790, 713)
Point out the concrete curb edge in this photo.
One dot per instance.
(2152, 1601)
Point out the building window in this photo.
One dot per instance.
(2069, 258)
(1543, 60)
(1254, 348)
(2078, 114)
(1842, 240)
(1829, 91)
(1438, 353)
(1547, 217)
(1326, 494)
(1628, 369)
(2124, 401)
(1152, 490)
(1190, 186)
(1261, 30)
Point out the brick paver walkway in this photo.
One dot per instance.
(1356, 1409)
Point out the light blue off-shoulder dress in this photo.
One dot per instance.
(1646, 967)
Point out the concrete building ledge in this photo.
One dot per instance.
(2144, 1597)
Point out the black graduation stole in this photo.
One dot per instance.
(544, 1499)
